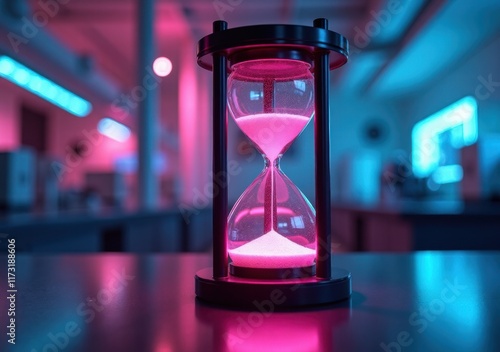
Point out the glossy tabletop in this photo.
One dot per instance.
(428, 301)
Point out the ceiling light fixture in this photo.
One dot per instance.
(113, 129)
(37, 84)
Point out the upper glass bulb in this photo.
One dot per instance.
(271, 101)
(281, 86)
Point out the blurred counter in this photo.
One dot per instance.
(417, 225)
(166, 230)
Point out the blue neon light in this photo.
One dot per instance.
(113, 129)
(460, 119)
(24, 77)
(448, 174)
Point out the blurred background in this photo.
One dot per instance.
(105, 124)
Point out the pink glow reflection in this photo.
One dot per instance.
(260, 211)
(163, 348)
(289, 336)
(242, 331)
(280, 210)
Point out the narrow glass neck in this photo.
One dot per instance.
(275, 163)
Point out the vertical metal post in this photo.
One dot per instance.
(147, 110)
(220, 260)
(322, 155)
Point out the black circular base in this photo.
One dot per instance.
(243, 292)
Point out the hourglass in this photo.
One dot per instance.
(272, 225)
(274, 246)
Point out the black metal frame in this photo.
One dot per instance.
(220, 158)
(326, 50)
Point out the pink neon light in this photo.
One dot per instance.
(162, 66)
(279, 210)
(241, 215)
(273, 133)
(272, 250)
(8, 118)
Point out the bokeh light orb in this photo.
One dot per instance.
(162, 66)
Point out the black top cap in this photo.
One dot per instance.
(268, 41)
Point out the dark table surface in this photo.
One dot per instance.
(428, 301)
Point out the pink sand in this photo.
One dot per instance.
(272, 250)
(272, 132)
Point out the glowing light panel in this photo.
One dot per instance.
(26, 78)
(162, 66)
(113, 129)
(448, 174)
(460, 118)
